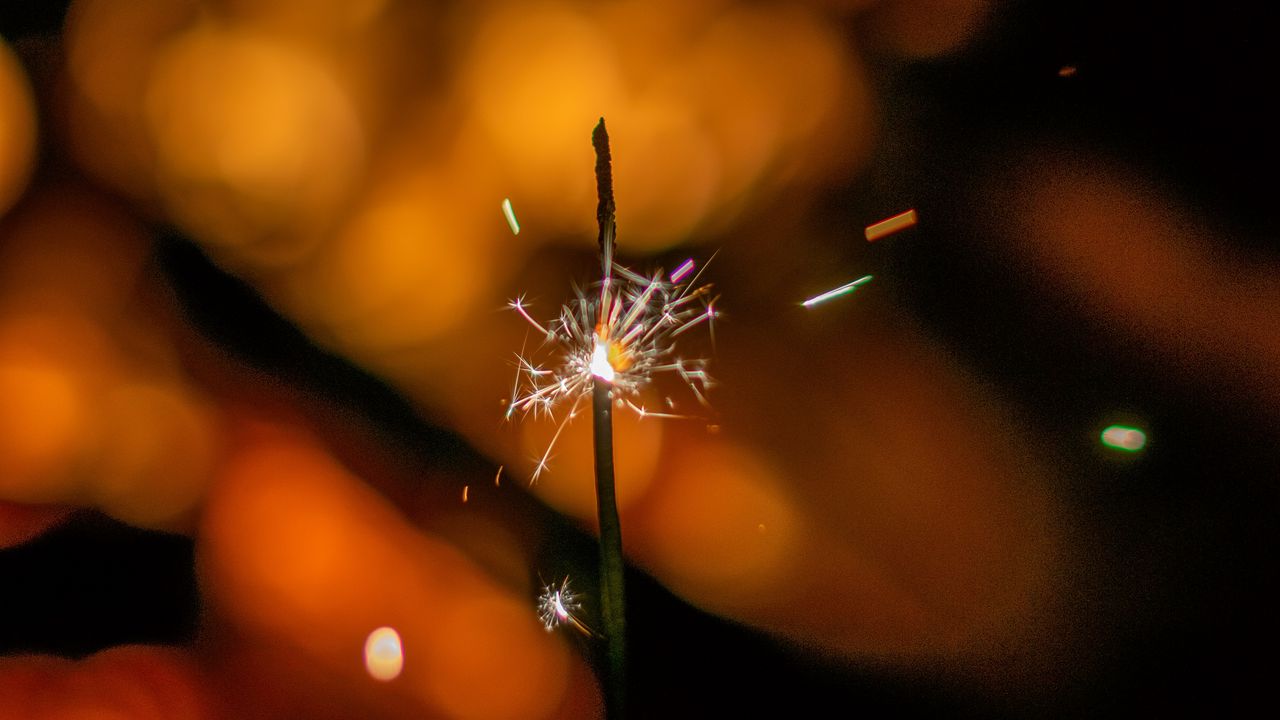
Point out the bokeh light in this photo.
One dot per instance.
(1125, 438)
(383, 654)
(292, 542)
(256, 145)
(17, 128)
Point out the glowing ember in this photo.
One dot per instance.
(600, 366)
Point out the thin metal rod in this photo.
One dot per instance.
(612, 605)
(612, 568)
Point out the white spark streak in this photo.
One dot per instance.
(837, 292)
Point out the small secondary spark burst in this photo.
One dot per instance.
(623, 331)
(558, 605)
(837, 292)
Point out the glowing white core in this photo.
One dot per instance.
(600, 366)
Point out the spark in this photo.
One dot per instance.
(622, 330)
(464, 492)
(889, 226)
(837, 292)
(510, 215)
(558, 605)
(1067, 71)
(497, 479)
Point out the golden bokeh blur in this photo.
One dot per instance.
(719, 528)
(927, 28)
(410, 265)
(347, 160)
(50, 371)
(17, 128)
(257, 147)
(292, 542)
(110, 53)
(90, 380)
(132, 681)
(1134, 258)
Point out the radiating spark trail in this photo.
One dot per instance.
(510, 215)
(889, 226)
(558, 605)
(623, 331)
(837, 292)
(497, 479)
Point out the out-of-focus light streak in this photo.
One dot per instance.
(685, 268)
(889, 226)
(1067, 71)
(497, 478)
(510, 215)
(465, 488)
(1125, 438)
(837, 292)
(383, 655)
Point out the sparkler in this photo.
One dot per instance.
(559, 605)
(623, 332)
(614, 340)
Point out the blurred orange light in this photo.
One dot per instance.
(17, 128)
(719, 528)
(255, 141)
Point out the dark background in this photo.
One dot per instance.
(1183, 91)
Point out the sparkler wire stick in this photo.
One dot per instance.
(611, 565)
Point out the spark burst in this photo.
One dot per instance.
(624, 331)
(558, 605)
